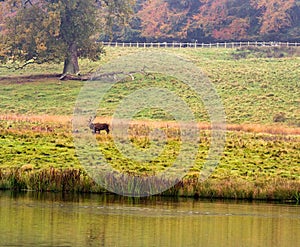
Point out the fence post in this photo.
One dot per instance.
(232, 45)
(225, 44)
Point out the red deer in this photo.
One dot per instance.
(98, 126)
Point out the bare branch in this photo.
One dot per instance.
(17, 67)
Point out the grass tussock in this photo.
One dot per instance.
(266, 52)
(50, 179)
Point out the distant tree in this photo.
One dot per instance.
(155, 19)
(165, 19)
(219, 19)
(57, 30)
(131, 31)
(247, 19)
(274, 15)
(224, 19)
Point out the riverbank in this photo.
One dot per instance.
(77, 181)
(39, 154)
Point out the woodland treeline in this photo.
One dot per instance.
(39, 31)
(212, 20)
(205, 20)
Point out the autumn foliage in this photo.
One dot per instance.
(189, 20)
(219, 19)
(40, 31)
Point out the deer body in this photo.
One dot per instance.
(97, 127)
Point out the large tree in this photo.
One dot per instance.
(57, 30)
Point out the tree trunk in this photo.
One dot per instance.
(71, 65)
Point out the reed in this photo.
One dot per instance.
(297, 196)
(76, 180)
(51, 179)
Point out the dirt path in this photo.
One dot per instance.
(28, 78)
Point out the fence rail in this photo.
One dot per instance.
(200, 45)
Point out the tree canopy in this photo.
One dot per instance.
(222, 19)
(57, 30)
(219, 19)
(62, 30)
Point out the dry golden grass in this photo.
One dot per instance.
(36, 118)
(259, 128)
(252, 128)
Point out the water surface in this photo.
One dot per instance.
(54, 219)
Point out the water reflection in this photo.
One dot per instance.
(54, 219)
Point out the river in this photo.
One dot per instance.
(55, 219)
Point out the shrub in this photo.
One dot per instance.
(279, 117)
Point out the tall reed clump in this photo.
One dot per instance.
(76, 180)
(273, 190)
(50, 179)
(276, 189)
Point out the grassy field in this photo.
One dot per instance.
(253, 90)
(261, 98)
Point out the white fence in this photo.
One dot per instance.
(199, 45)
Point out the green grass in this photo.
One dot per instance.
(254, 90)
(257, 166)
(248, 156)
(37, 150)
(39, 97)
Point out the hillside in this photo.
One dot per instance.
(254, 90)
(260, 95)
